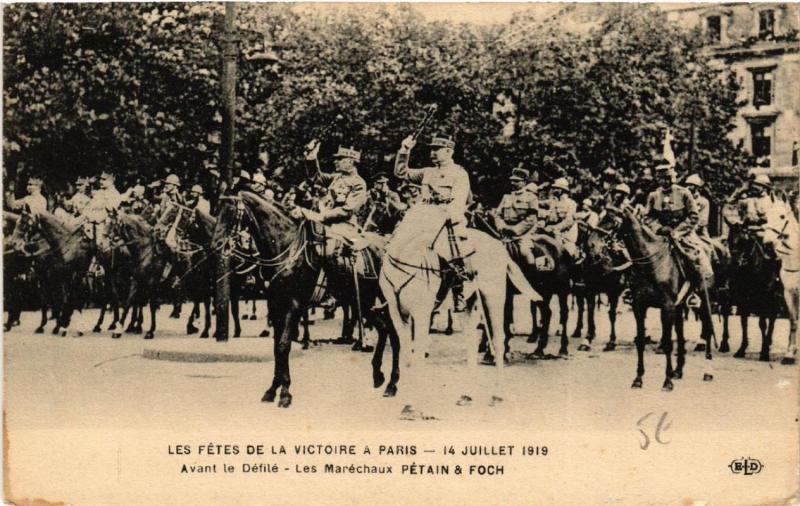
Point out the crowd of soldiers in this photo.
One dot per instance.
(427, 198)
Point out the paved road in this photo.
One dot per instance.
(85, 413)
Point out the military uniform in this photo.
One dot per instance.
(37, 203)
(676, 208)
(517, 215)
(347, 194)
(561, 222)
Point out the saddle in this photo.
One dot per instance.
(350, 252)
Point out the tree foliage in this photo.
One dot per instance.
(135, 89)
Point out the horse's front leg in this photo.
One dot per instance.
(563, 307)
(97, 327)
(153, 309)
(580, 299)
(766, 338)
(681, 343)
(190, 328)
(280, 329)
(207, 322)
(743, 312)
(669, 315)
(639, 313)
(284, 349)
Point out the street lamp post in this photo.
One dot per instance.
(230, 56)
(230, 53)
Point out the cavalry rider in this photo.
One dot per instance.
(693, 184)
(753, 209)
(36, 202)
(259, 184)
(587, 214)
(195, 199)
(347, 194)
(170, 191)
(444, 199)
(137, 204)
(672, 212)
(561, 217)
(619, 198)
(80, 199)
(386, 207)
(105, 198)
(517, 213)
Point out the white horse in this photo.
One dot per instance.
(411, 276)
(783, 232)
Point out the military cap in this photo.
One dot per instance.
(561, 183)
(196, 189)
(351, 153)
(173, 179)
(623, 188)
(35, 181)
(520, 174)
(442, 141)
(694, 180)
(762, 180)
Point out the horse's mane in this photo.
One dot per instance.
(265, 207)
(51, 220)
(136, 222)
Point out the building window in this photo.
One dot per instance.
(761, 141)
(762, 87)
(714, 29)
(766, 24)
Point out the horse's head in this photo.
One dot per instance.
(26, 231)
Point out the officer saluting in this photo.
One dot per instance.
(347, 193)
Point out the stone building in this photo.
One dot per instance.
(759, 41)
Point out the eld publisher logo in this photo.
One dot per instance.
(746, 466)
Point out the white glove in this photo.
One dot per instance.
(408, 143)
(312, 150)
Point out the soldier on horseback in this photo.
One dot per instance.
(754, 209)
(672, 212)
(516, 215)
(560, 222)
(80, 199)
(195, 199)
(347, 194)
(386, 207)
(444, 198)
(34, 199)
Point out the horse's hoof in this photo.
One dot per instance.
(113, 326)
(532, 339)
(584, 347)
(130, 330)
(637, 383)
(563, 352)
(238, 333)
(269, 396)
(285, 400)
(611, 346)
(448, 331)
(116, 335)
(364, 349)
(63, 333)
(677, 375)
(306, 346)
(191, 329)
(763, 357)
(391, 390)
(487, 360)
(724, 348)
(264, 333)
(700, 347)
(659, 350)
(378, 379)
(577, 333)
(6, 327)
(787, 361)
(739, 354)
(77, 334)
(708, 377)
(204, 335)
(148, 335)
(245, 317)
(39, 330)
(55, 331)
(96, 328)
(358, 346)
(667, 385)
(464, 400)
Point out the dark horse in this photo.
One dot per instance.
(64, 262)
(193, 260)
(600, 272)
(754, 287)
(656, 276)
(554, 281)
(148, 257)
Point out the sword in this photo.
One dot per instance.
(430, 110)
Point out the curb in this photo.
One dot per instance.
(200, 357)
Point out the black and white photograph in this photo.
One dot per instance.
(401, 253)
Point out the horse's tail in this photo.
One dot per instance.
(518, 280)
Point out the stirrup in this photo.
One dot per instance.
(693, 301)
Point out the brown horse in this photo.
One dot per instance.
(63, 262)
(600, 272)
(656, 277)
